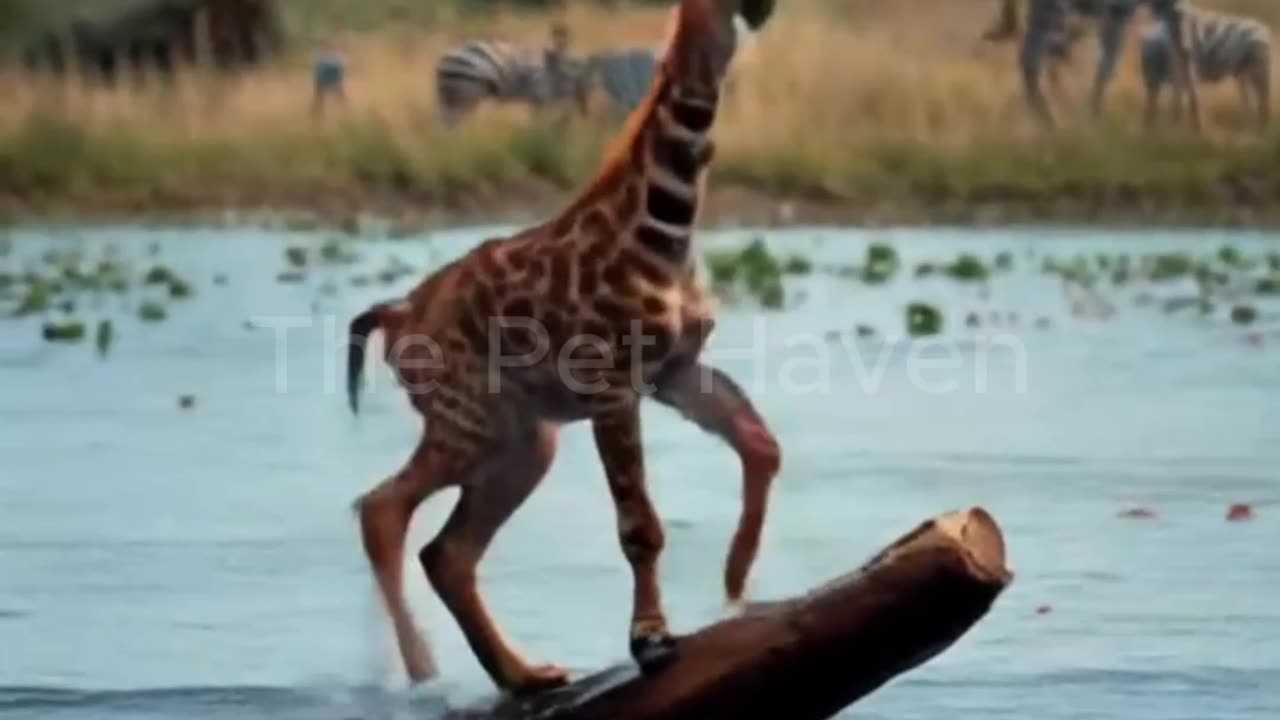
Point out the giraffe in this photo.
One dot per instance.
(578, 318)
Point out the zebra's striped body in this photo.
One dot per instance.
(501, 72)
(624, 76)
(1220, 47)
(1052, 31)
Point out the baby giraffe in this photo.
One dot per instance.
(575, 319)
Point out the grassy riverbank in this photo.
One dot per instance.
(875, 111)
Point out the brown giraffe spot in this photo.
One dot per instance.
(588, 280)
(593, 328)
(559, 277)
(518, 258)
(654, 305)
(615, 275)
(597, 224)
(556, 325)
(475, 330)
(613, 312)
(643, 266)
(487, 257)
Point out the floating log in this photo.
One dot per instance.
(808, 657)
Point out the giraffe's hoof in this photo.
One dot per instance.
(652, 651)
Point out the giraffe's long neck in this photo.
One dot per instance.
(667, 165)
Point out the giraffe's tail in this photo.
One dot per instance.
(358, 337)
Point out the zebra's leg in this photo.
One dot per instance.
(1262, 92)
(1154, 90)
(1031, 59)
(1005, 26)
(1111, 43)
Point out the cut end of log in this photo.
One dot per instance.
(977, 532)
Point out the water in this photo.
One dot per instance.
(156, 563)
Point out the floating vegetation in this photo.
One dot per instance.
(1168, 266)
(296, 256)
(1267, 286)
(1043, 323)
(186, 402)
(361, 280)
(337, 252)
(864, 331)
(797, 265)
(152, 312)
(973, 320)
(70, 331)
(103, 337)
(158, 275)
(220, 279)
(968, 268)
(291, 277)
(881, 265)
(1004, 261)
(38, 298)
(923, 320)
(395, 271)
(1231, 257)
(1273, 261)
(771, 295)
(753, 267)
(1244, 314)
(926, 269)
(179, 289)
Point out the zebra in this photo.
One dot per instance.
(494, 70)
(624, 75)
(1050, 32)
(1220, 46)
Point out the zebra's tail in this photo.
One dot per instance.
(357, 339)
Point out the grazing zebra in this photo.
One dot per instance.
(493, 70)
(1220, 46)
(1050, 32)
(624, 75)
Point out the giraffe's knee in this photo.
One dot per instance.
(641, 536)
(761, 453)
(447, 564)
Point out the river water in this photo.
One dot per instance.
(157, 562)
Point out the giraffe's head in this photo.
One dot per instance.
(702, 38)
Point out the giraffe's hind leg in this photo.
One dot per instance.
(617, 436)
(384, 514)
(490, 495)
(717, 404)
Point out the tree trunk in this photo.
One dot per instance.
(808, 657)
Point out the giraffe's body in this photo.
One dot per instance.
(575, 319)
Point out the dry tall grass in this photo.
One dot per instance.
(870, 101)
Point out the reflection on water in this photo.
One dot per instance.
(162, 563)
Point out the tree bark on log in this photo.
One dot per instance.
(811, 656)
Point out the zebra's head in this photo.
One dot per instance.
(702, 37)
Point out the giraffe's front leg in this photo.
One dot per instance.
(617, 436)
(717, 404)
